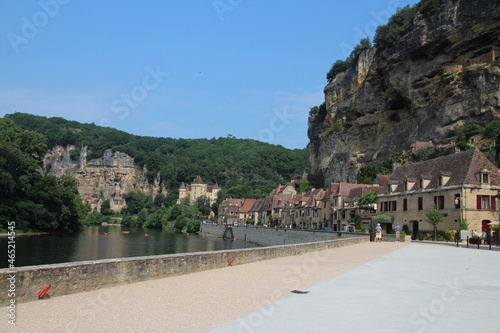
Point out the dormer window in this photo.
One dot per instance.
(485, 177)
(440, 181)
(424, 182)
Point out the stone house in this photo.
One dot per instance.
(256, 213)
(464, 186)
(244, 211)
(228, 209)
(197, 189)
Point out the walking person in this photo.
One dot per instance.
(378, 233)
(398, 231)
(485, 236)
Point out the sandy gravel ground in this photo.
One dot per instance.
(194, 302)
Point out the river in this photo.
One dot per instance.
(107, 242)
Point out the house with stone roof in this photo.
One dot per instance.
(257, 212)
(229, 209)
(244, 211)
(197, 189)
(464, 186)
(339, 206)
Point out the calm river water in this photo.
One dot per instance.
(92, 243)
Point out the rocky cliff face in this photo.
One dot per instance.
(422, 89)
(107, 178)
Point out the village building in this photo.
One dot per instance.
(463, 186)
(228, 210)
(244, 214)
(197, 189)
(256, 212)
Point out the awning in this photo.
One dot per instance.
(494, 223)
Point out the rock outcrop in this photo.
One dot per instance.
(107, 178)
(426, 86)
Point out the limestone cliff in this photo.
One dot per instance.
(107, 178)
(444, 72)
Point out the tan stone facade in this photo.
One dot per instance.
(464, 186)
(198, 189)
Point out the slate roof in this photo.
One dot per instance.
(257, 206)
(231, 203)
(247, 205)
(462, 168)
(198, 180)
(359, 192)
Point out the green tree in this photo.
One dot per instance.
(203, 205)
(492, 130)
(157, 219)
(398, 26)
(106, 208)
(34, 201)
(368, 199)
(434, 216)
(160, 200)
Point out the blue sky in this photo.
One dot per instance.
(180, 69)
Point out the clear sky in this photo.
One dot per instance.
(180, 69)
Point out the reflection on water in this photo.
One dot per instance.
(106, 242)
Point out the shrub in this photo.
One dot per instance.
(342, 65)
(336, 128)
(430, 7)
(492, 129)
(464, 225)
(398, 26)
(450, 234)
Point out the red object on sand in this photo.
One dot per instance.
(43, 291)
(230, 262)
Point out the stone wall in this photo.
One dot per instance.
(270, 236)
(77, 277)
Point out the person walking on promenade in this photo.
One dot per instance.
(398, 231)
(378, 233)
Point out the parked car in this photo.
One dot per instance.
(348, 228)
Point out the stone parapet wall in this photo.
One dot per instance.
(83, 276)
(270, 236)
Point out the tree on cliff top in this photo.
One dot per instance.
(351, 61)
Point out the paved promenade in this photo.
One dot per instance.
(371, 287)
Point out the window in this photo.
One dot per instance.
(439, 201)
(485, 178)
(440, 181)
(486, 202)
(420, 203)
(405, 204)
(393, 206)
(457, 201)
